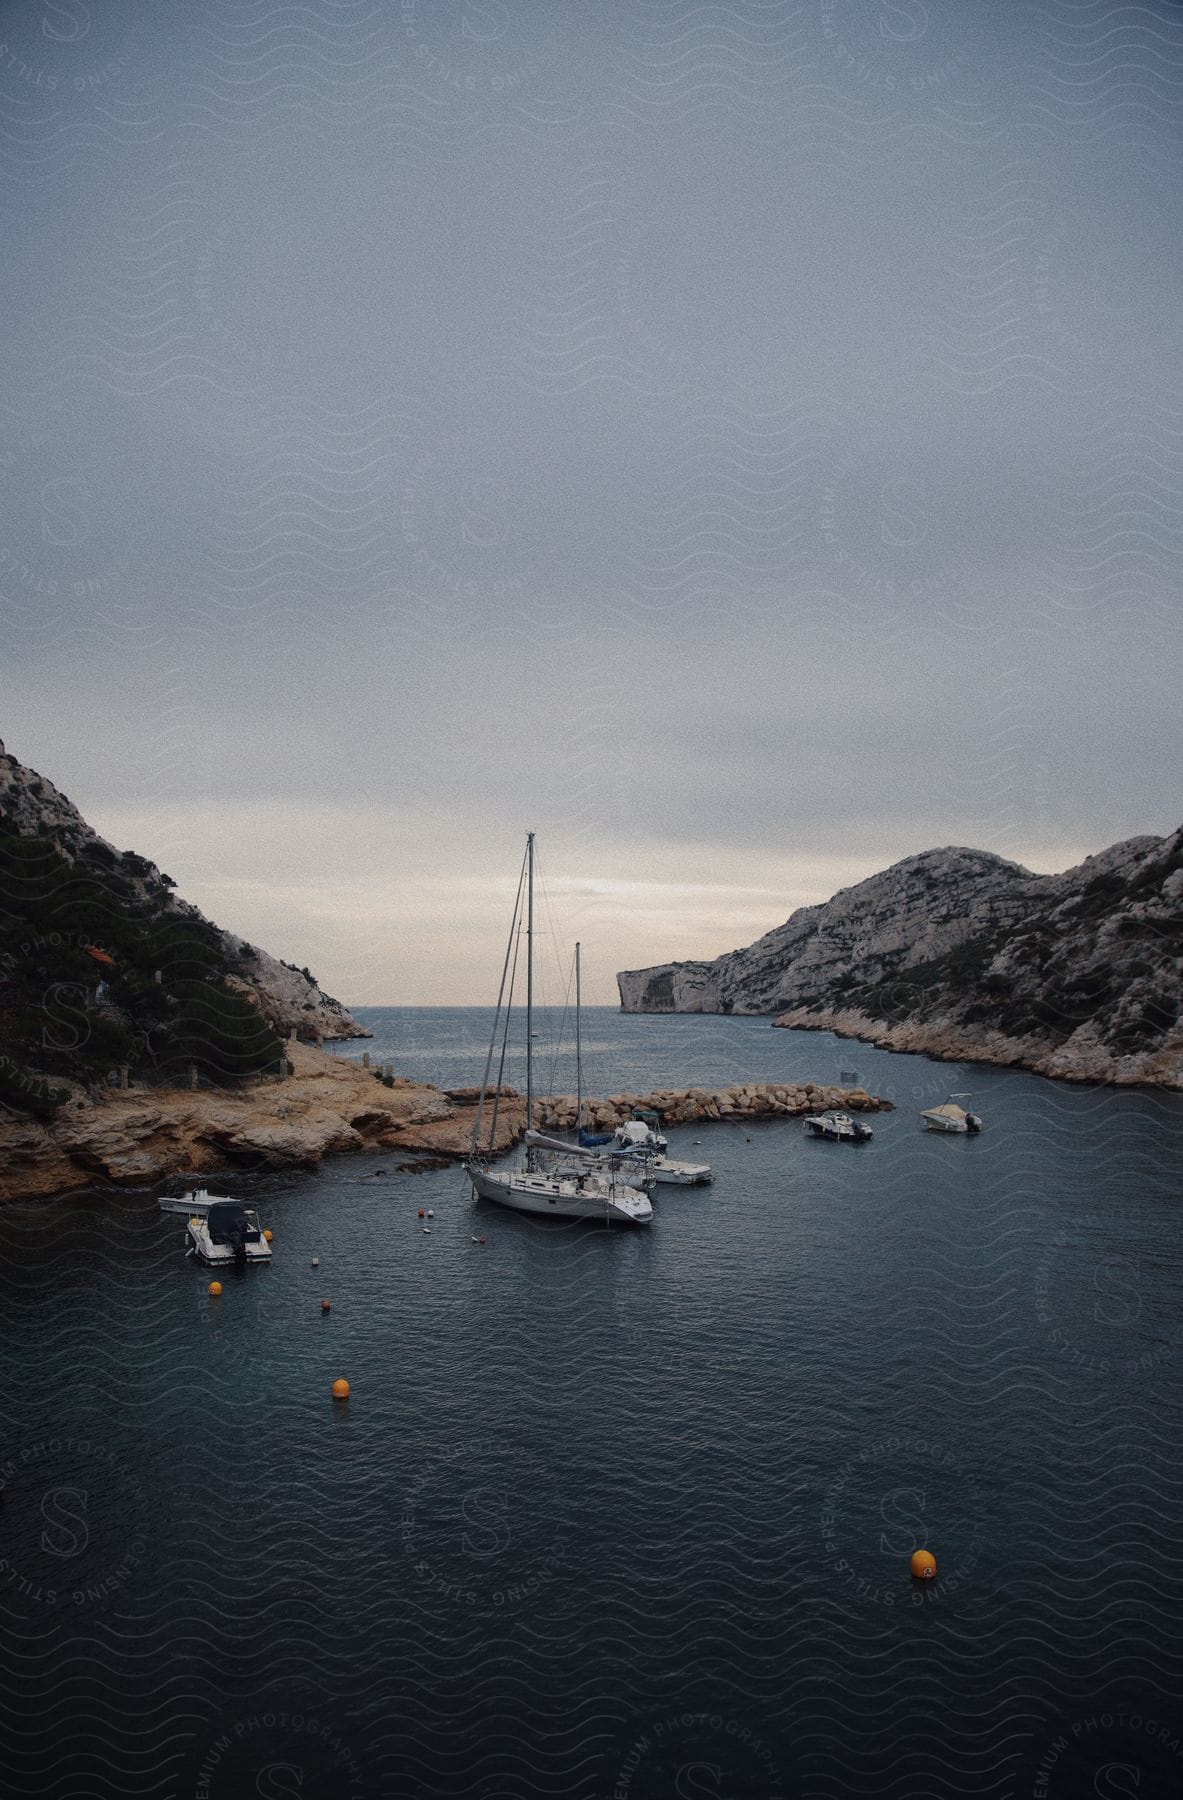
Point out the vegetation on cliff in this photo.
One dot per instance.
(959, 953)
(102, 967)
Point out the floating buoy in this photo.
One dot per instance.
(379, 1172)
(267, 1234)
(316, 1262)
(215, 1288)
(422, 1214)
(324, 1306)
(924, 1565)
(340, 1388)
(431, 1212)
(427, 1231)
(480, 1240)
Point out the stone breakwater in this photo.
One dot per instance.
(685, 1106)
(328, 1106)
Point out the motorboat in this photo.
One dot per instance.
(640, 1132)
(570, 1191)
(838, 1126)
(218, 1230)
(951, 1117)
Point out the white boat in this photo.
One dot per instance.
(219, 1230)
(951, 1117)
(640, 1133)
(571, 1192)
(838, 1126)
(669, 1173)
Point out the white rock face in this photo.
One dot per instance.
(918, 909)
(958, 953)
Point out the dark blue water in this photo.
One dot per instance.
(618, 1514)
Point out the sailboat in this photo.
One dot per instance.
(578, 1191)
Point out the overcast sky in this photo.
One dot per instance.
(740, 443)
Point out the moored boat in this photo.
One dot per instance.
(564, 1192)
(218, 1230)
(951, 1117)
(837, 1126)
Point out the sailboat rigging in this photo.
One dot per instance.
(577, 1192)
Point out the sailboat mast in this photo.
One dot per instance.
(530, 981)
(578, 1054)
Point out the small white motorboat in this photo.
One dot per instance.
(640, 1133)
(951, 1117)
(219, 1230)
(838, 1126)
(677, 1174)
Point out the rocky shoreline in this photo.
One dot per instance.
(138, 1138)
(1084, 1058)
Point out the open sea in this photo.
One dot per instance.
(615, 1514)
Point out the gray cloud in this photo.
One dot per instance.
(733, 440)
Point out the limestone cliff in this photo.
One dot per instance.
(101, 962)
(959, 953)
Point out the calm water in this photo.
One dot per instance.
(616, 1514)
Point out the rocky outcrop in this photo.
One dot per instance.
(957, 953)
(32, 808)
(289, 999)
(327, 1106)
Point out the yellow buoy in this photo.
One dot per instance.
(340, 1389)
(215, 1288)
(267, 1233)
(924, 1565)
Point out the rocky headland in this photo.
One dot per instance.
(141, 1042)
(957, 953)
(326, 1106)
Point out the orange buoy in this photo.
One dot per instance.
(324, 1306)
(267, 1234)
(340, 1388)
(215, 1288)
(924, 1565)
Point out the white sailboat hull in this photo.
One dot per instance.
(554, 1197)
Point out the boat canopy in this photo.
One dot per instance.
(227, 1221)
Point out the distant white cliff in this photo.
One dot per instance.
(958, 953)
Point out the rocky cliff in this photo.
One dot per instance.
(959, 953)
(75, 911)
